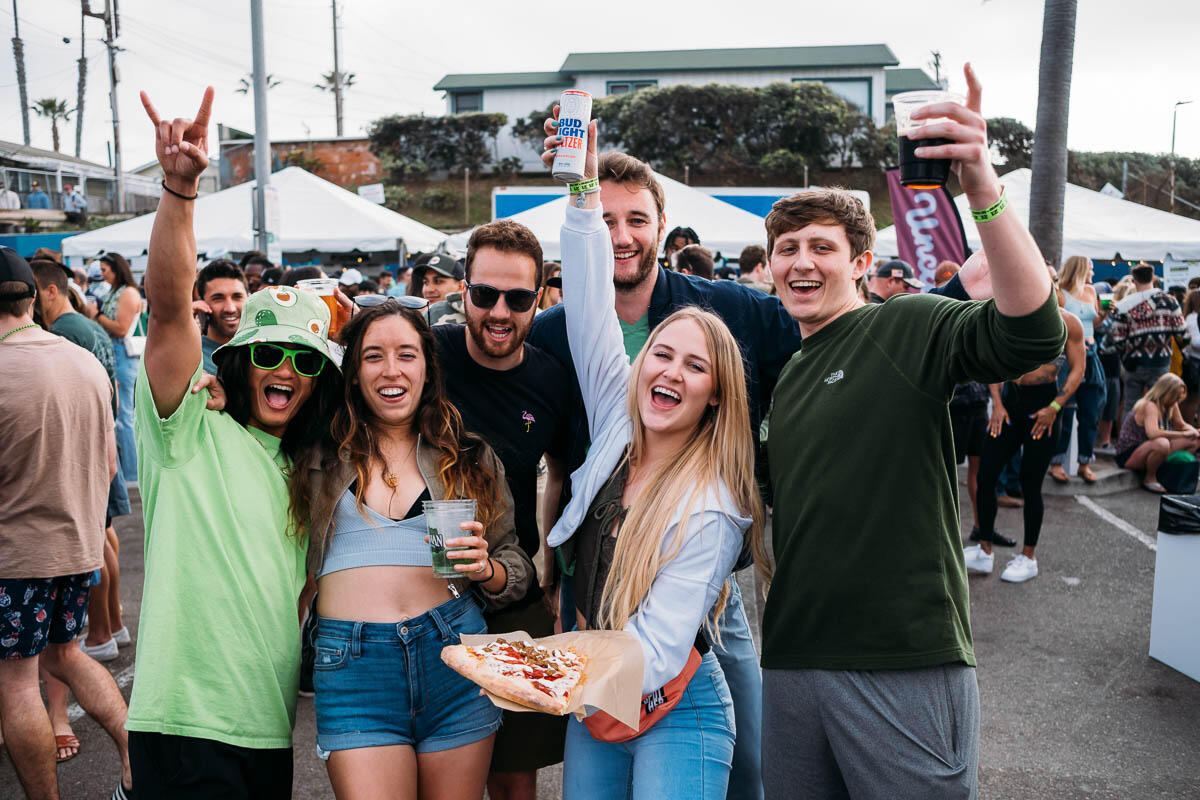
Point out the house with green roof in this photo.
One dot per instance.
(862, 74)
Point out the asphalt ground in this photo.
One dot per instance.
(1072, 706)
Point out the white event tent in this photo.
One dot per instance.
(314, 215)
(1094, 225)
(722, 227)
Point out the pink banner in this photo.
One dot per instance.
(928, 228)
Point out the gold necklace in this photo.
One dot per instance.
(392, 479)
(285, 471)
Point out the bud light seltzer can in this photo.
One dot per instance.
(574, 114)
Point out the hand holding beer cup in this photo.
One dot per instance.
(967, 149)
(553, 140)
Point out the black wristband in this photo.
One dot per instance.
(169, 190)
(489, 577)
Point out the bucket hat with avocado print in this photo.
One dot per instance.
(283, 315)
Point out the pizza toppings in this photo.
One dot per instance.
(537, 677)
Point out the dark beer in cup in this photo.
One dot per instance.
(917, 172)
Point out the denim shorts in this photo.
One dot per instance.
(381, 684)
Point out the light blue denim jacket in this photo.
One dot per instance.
(686, 588)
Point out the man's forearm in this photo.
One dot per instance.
(1018, 274)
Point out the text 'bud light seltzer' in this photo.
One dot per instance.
(574, 114)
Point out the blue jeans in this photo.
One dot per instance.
(380, 684)
(739, 663)
(126, 374)
(1084, 405)
(686, 755)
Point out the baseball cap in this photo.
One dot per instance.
(898, 268)
(445, 265)
(16, 269)
(351, 277)
(94, 273)
(282, 315)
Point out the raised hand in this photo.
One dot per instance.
(965, 127)
(553, 139)
(181, 144)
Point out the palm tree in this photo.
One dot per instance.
(246, 84)
(52, 109)
(332, 84)
(1048, 184)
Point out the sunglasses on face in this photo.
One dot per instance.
(306, 363)
(518, 300)
(407, 301)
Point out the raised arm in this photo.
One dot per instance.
(589, 299)
(1019, 282)
(172, 339)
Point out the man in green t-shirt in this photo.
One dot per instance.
(868, 668)
(218, 658)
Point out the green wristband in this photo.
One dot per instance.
(991, 212)
(585, 186)
(1054, 404)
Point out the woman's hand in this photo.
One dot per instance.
(1043, 421)
(181, 144)
(552, 141)
(216, 391)
(476, 567)
(998, 420)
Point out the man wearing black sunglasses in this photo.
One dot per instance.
(517, 397)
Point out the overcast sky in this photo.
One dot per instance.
(1133, 61)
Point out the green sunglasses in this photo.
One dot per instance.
(307, 363)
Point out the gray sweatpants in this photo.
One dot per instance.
(871, 734)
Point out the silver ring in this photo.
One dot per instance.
(481, 567)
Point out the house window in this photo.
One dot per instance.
(625, 87)
(855, 91)
(465, 102)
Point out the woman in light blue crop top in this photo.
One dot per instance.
(390, 715)
(1075, 281)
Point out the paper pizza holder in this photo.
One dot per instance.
(614, 671)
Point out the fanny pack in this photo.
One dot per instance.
(656, 705)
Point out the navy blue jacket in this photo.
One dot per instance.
(767, 335)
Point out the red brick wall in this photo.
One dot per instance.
(348, 162)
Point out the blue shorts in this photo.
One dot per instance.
(381, 684)
(35, 612)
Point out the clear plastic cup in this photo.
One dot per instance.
(325, 288)
(915, 172)
(444, 519)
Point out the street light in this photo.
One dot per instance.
(1174, 114)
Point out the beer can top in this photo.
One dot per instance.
(576, 91)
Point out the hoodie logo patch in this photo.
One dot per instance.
(834, 377)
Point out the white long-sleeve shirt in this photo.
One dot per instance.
(686, 588)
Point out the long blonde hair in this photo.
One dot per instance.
(1163, 390)
(720, 450)
(1074, 274)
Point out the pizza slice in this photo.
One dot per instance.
(536, 677)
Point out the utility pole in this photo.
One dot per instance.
(1174, 113)
(82, 87)
(262, 142)
(1124, 175)
(936, 63)
(19, 57)
(112, 29)
(337, 72)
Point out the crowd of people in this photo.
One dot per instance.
(284, 452)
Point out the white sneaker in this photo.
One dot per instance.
(100, 652)
(1020, 569)
(978, 561)
(122, 637)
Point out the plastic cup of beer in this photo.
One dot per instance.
(325, 288)
(444, 518)
(915, 172)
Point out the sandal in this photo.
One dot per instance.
(1086, 473)
(66, 742)
(1154, 486)
(1059, 474)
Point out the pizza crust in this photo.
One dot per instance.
(476, 665)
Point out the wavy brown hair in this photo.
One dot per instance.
(460, 465)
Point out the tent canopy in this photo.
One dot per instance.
(1094, 225)
(721, 227)
(314, 214)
